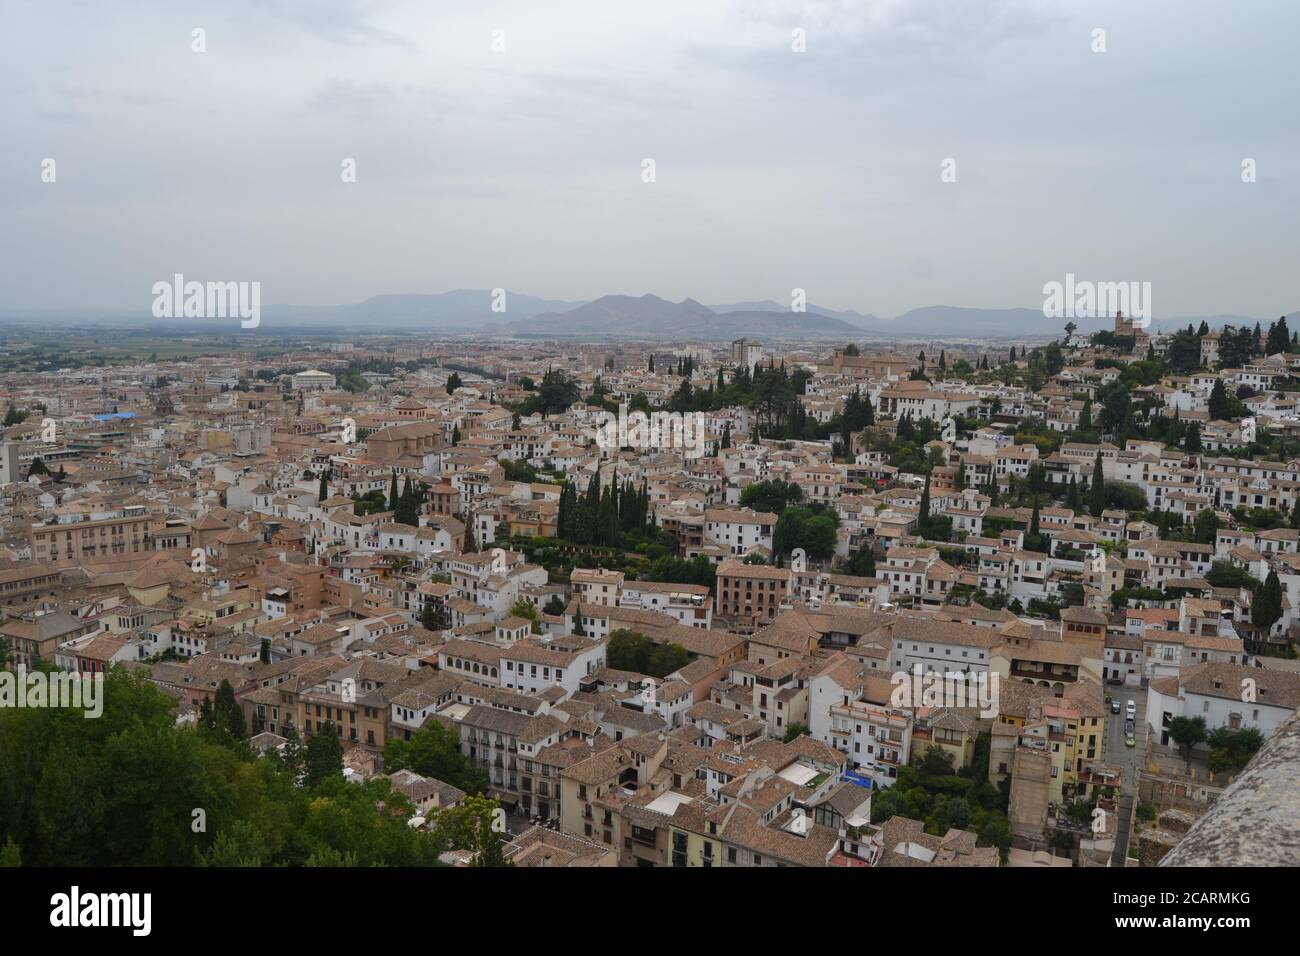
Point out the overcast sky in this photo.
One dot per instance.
(775, 169)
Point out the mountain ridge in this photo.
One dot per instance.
(648, 316)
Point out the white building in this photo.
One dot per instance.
(313, 378)
(1226, 695)
(534, 665)
(738, 530)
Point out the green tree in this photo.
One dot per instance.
(1097, 489)
(937, 761)
(1115, 407)
(813, 531)
(11, 855)
(1184, 353)
(862, 563)
(223, 718)
(1220, 407)
(323, 757)
(1266, 605)
(1231, 750)
(476, 824)
(527, 610)
(631, 651)
(1073, 500)
(556, 393)
(434, 751)
(1187, 733)
(238, 845)
(794, 730)
(1279, 337)
(1205, 526)
(407, 511)
(772, 496)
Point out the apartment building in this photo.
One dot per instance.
(76, 542)
(748, 596)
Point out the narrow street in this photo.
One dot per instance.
(1128, 759)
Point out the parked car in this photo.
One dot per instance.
(1130, 740)
(1131, 709)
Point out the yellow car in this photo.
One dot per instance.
(1130, 740)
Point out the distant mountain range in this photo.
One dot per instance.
(649, 316)
(467, 311)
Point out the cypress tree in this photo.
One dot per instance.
(1097, 504)
(409, 505)
(1266, 605)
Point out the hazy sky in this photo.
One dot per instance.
(523, 168)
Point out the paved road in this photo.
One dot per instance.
(1128, 759)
